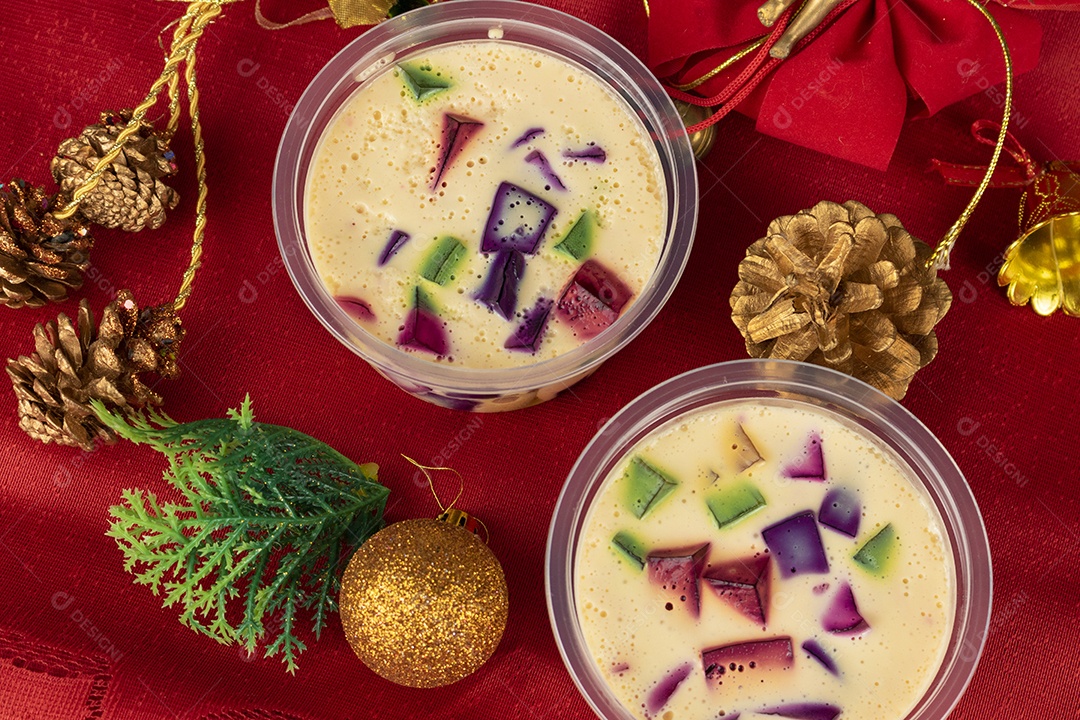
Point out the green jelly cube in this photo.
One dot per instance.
(629, 548)
(734, 503)
(877, 554)
(443, 260)
(421, 81)
(578, 242)
(646, 486)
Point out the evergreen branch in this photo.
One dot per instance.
(263, 513)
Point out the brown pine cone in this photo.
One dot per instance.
(839, 286)
(131, 194)
(69, 368)
(40, 256)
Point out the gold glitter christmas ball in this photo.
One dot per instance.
(423, 603)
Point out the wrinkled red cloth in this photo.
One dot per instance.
(80, 641)
(848, 92)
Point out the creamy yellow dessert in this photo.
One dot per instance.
(764, 560)
(486, 205)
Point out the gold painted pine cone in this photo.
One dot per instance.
(839, 286)
(72, 365)
(131, 194)
(40, 256)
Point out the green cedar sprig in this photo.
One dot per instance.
(265, 513)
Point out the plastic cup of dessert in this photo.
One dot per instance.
(509, 21)
(797, 383)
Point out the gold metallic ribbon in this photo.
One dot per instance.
(347, 13)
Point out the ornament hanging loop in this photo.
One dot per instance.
(450, 514)
(427, 469)
(939, 260)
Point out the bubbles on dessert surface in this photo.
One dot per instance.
(369, 136)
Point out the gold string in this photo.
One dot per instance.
(200, 174)
(208, 12)
(183, 26)
(189, 29)
(724, 65)
(940, 258)
(431, 483)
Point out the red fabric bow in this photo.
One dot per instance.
(846, 93)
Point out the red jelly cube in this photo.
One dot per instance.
(593, 299)
(746, 657)
(456, 133)
(743, 584)
(679, 573)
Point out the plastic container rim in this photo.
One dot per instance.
(823, 387)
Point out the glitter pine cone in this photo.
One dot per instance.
(131, 194)
(72, 365)
(841, 286)
(40, 257)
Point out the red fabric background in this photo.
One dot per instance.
(78, 639)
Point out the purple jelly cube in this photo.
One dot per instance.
(500, 288)
(457, 131)
(593, 299)
(591, 153)
(841, 511)
(357, 308)
(804, 711)
(678, 572)
(843, 617)
(397, 239)
(517, 221)
(528, 334)
(538, 159)
(528, 136)
(423, 330)
(811, 466)
(743, 584)
(795, 542)
(745, 657)
(813, 649)
(659, 695)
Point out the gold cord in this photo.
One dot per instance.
(183, 26)
(186, 36)
(724, 65)
(200, 174)
(208, 12)
(431, 483)
(940, 257)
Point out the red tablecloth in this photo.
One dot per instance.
(79, 640)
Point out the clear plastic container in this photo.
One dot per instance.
(509, 21)
(846, 397)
